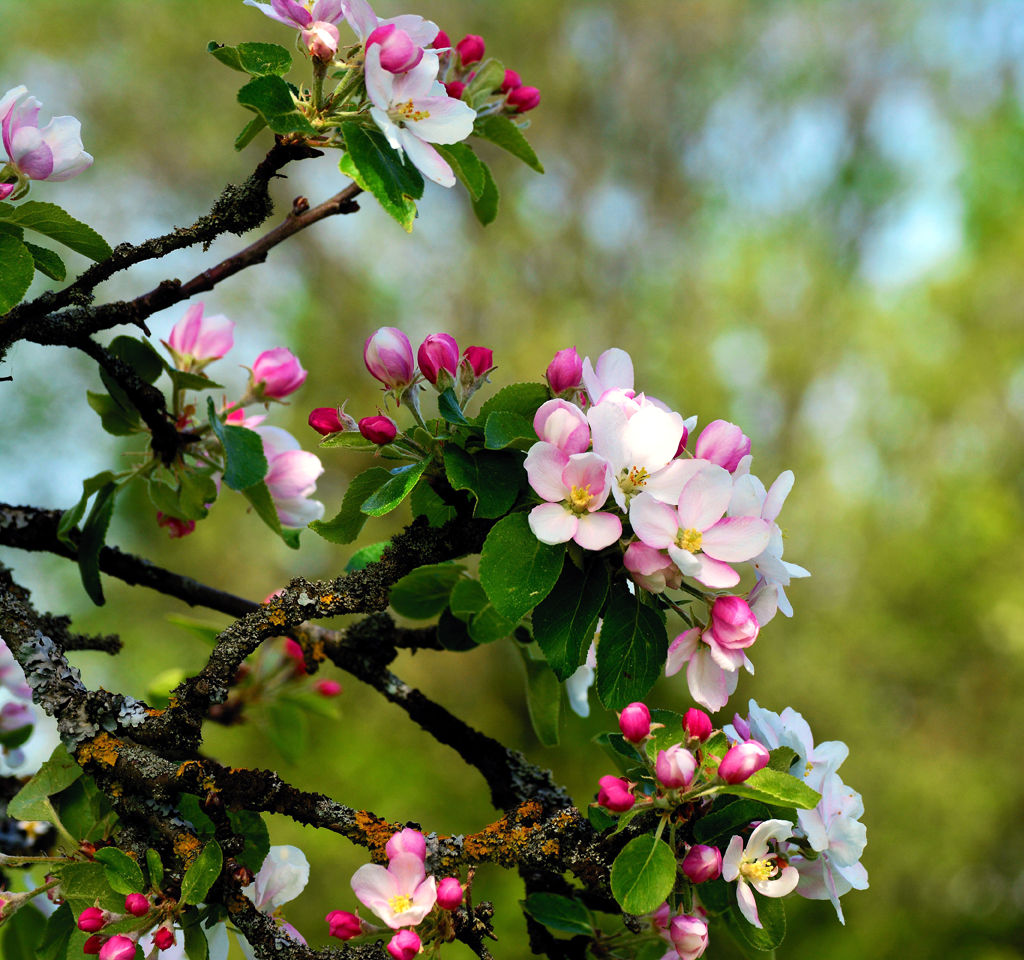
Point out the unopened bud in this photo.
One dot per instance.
(635, 722)
(702, 863)
(388, 356)
(675, 767)
(565, 372)
(511, 81)
(118, 948)
(380, 429)
(438, 352)
(278, 372)
(441, 41)
(614, 794)
(455, 89)
(328, 688)
(321, 39)
(343, 925)
(697, 724)
(449, 893)
(742, 761)
(92, 946)
(471, 48)
(398, 52)
(163, 938)
(136, 904)
(741, 726)
(723, 443)
(404, 945)
(524, 98)
(92, 920)
(325, 420)
(407, 841)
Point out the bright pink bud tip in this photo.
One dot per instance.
(733, 624)
(398, 52)
(702, 863)
(449, 894)
(90, 920)
(118, 948)
(294, 653)
(635, 722)
(697, 724)
(480, 359)
(388, 356)
(136, 904)
(404, 945)
(175, 528)
(92, 946)
(441, 40)
(325, 420)
(163, 937)
(614, 794)
(566, 370)
(511, 82)
(343, 925)
(723, 443)
(689, 936)
(682, 441)
(454, 89)
(407, 841)
(321, 39)
(471, 48)
(524, 98)
(742, 761)
(437, 352)
(675, 767)
(279, 371)
(6, 189)
(379, 429)
(328, 688)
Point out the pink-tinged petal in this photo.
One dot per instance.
(423, 32)
(588, 471)
(418, 82)
(185, 332)
(814, 827)
(564, 425)
(298, 511)
(656, 524)
(723, 443)
(30, 154)
(707, 681)
(747, 497)
(689, 564)
(293, 474)
(757, 845)
(373, 885)
(330, 11)
(6, 189)
(728, 660)
(596, 531)
(426, 159)
(552, 523)
(449, 120)
(296, 11)
(614, 368)
(644, 560)
(608, 422)
(680, 650)
(777, 495)
(408, 871)
(391, 131)
(732, 860)
(819, 882)
(747, 904)
(276, 441)
(734, 539)
(667, 483)
(544, 465)
(705, 499)
(652, 436)
(424, 896)
(8, 100)
(379, 82)
(856, 876)
(784, 883)
(361, 18)
(269, 11)
(63, 135)
(846, 841)
(715, 574)
(216, 337)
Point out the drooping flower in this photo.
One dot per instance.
(175, 528)
(291, 477)
(401, 894)
(277, 373)
(318, 24)
(753, 864)
(196, 340)
(710, 683)
(282, 877)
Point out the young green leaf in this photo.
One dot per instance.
(564, 622)
(394, 181)
(516, 569)
(503, 132)
(114, 418)
(782, 759)
(449, 408)
(48, 263)
(363, 557)
(256, 59)
(453, 633)
(288, 729)
(728, 820)
(486, 205)
(271, 98)
(632, 650)
(505, 428)
(522, 398)
(259, 496)
(201, 874)
(181, 380)
(543, 699)
(249, 132)
(423, 593)
(245, 462)
(90, 543)
(257, 838)
(600, 819)
(492, 478)
(123, 874)
(470, 604)
(392, 493)
(191, 809)
(771, 786)
(57, 224)
(347, 440)
(197, 947)
(559, 913)
(31, 801)
(73, 516)
(155, 866)
(140, 356)
(487, 78)
(345, 527)
(16, 271)
(643, 874)
(466, 165)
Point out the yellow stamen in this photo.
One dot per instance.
(406, 111)
(579, 498)
(689, 539)
(639, 476)
(758, 869)
(400, 904)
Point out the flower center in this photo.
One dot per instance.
(400, 903)
(407, 112)
(689, 540)
(579, 499)
(758, 869)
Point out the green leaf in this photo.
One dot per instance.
(271, 98)
(600, 819)
(246, 463)
(256, 59)
(182, 380)
(728, 820)
(466, 165)
(559, 913)
(486, 205)
(632, 650)
(453, 633)
(139, 355)
(123, 874)
(203, 629)
(771, 913)
(288, 729)
(191, 809)
(84, 810)
(73, 516)
(782, 759)
(56, 936)
(12, 739)
(505, 428)
(262, 502)
(257, 838)
(564, 622)
(201, 874)
(363, 557)
(58, 773)
(449, 408)
(250, 131)
(22, 933)
(395, 182)
(423, 593)
(714, 895)
(492, 478)
(717, 745)
(487, 80)
(392, 493)
(94, 533)
(516, 569)
(770, 786)
(197, 490)
(470, 604)
(82, 884)
(425, 502)
(313, 703)
(16, 271)
(522, 398)
(643, 874)
(57, 224)
(196, 945)
(345, 527)
(114, 418)
(348, 440)
(503, 132)
(47, 262)
(543, 699)
(155, 866)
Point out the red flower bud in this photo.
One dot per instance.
(328, 688)
(524, 98)
(614, 794)
(449, 894)
(565, 371)
(743, 760)
(439, 351)
(92, 946)
(702, 863)
(635, 722)
(343, 925)
(480, 359)
(441, 40)
(511, 81)
(325, 420)
(471, 48)
(379, 429)
(118, 948)
(454, 89)
(91, 920)
(175, 528)
(136, 904)
(404, 945)
(163, 937)
(697, 724)
(294, 653)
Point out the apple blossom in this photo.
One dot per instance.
(565, 372)
(381, 430)
(689, 936)
(398, 51)
(722, 443)
(524, 98)
(282, 877)
(615, 794)
(449, 894)
(413, 110)
(196, 340)
(401, 894)
(710, 684)
(136, 904)
(697, 724)
(675, 767)
(364, 21)
(344, 925)
(576, 487)
(702, 863)
(409, 841)
(388, 356)
(318, 26)
(733, 625)
(291, 477)
(613, 371)
(277, 373)
(471, 48)
(651, 569)
(753, 864)
(635, 722)
(118, 948)
(92, 920)
(325, 420)
(821, 879)
(563, 425)
(438, 352)
(15, 716)
(742, 761)
(404, 945)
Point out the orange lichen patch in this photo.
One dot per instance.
(101, 749)
(277, 617)
(187, 848)
(505, 841)
(317, 650)
(116, 789)
(377, 832)
(210, 785)
(151, 712)
(181, 771)
(328, 598)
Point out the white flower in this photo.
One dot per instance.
(578, 685)
(754, 866)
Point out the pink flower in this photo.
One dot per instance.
(325, 420)
(318, 26)
(740, 726)
(291, 477)
(136, 904)
(380, 429)
(404, 945)
(163, 938)
(635, 722)
(364, 21)
(294, 653)
(733, 625)
(480, 359)
(398, 52)
(524, 98)
(613, 371)
(407, 841)
(15, 716)
(697, 724)
(651, 569)
(388, 356)
(196, 340)
(563, 425)
(470, 49)
(280, 373)
(175, 528)
(401, 895)
(689, 936)
(711, 683)
(91, 920)
(321, 39)
(576, 487)
(742, 761)
(615, 794)
(723, 443)
(449, 894)
(51, 153)
(511, 81)
(702, 863)
(344, 925)
(6, 189)
(565, 372)
(438, 352)
(118, 948)
(675, 767)
(328, 688)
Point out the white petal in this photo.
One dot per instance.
(596, 531)
(544, 465)
(615, 369)
(361, 18)
(715, 574)
(417, 82)
(733, 539)
(707, 681)
(680, 650)
(276, 441)
(705, 499)
(63, 135)
(608, 423)
(757, 845)
(747, 497)
(747, 904)
(421, 32)
(426, 159)
(379, 82)
(667, 483)
(784, 883)
(577, 688)
(846, 841)
(777, 495)
(814, 827)
(298, 511)
(653, 436)
(449, 120)
(732, 860)
(552, 523)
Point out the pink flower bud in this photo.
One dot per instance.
(441, 40)
(741, 726)
(675, 767)
(398, 52)
(470, 48)
(379, 429)
(118, 948)
(279, 371)
(321, 39)
(163, 938)
(743, 760)
(407, 841)
(723, 443)
(6, 189)
(702, 863)
(92, 946)
(524, 98)
(614, 794)
(15, 715)
(682, 440)
(198, 338)
(689, 936)
(511, 82)
(404, 945)
(697, 724)
(438, 352)
(565, 372)
(480, 359)
(388, 356)
(325, 420)
(294, 653)
(733, 624)
(635, 722)
(136, 904)
(91, 920)
(449, 894)
(328, 688)
(454, 89)
(344, 925)
(175, 528)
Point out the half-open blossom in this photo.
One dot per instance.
(675, 767)
(279, 372)
(52, 153)
(753, 864)
(398, 51)
(697, 724)
(723, 443)
(524, 99)
(380, 429)
(565, 372)
(401, 894)
(291, 477)
(364, 21)
(407, 840)
(689, 936)
(318, 25)
(635, 722)
(344, 925)
(563, 425)
(118, 948)
(742, 761)
(710, 683)
(449, 894)
(732, 626)
(404, 945)
(413, 111)
(576, 487)
(196, 340)
(702, 863)
(613, 371)
(388, 356)
(136, 904)
(92, 920)
(615, 794)
(438, 352)
(282, 877)
(471, 49)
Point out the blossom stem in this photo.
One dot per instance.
(344, 89)
(317, 90)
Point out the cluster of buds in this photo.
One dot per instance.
(462, 63)
(121, 946)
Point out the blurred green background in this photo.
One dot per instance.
(807, 217)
